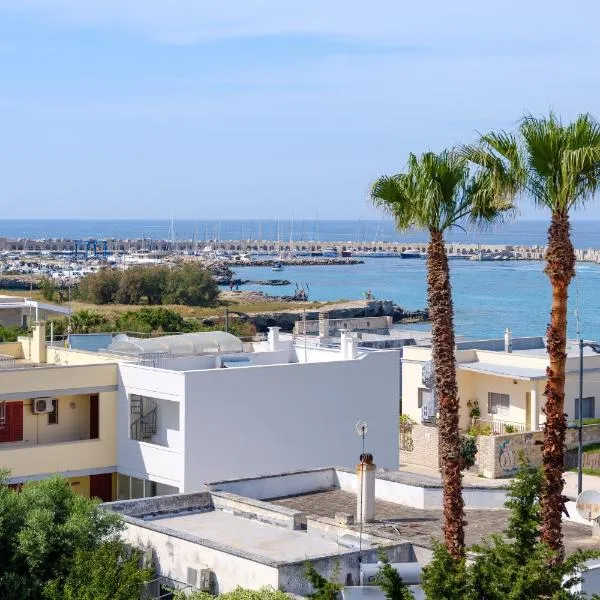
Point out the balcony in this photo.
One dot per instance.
(40, 459)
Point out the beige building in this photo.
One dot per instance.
(501, 379)
(57, 416)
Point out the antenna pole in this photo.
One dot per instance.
(362, 477)
(580, 399)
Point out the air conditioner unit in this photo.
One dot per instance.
(42, 405)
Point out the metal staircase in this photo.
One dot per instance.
(143, 413)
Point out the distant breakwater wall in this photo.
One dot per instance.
(374, 308)
(120, 246)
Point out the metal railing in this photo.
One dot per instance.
(499, 426)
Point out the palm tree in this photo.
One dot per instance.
(436, 193)
(558, 167)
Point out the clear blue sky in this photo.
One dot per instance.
(266, 108)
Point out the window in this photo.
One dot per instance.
(53, 416)
(424, 397)
(2, 413)
(498, 404)
(588, 406)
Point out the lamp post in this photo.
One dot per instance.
(596, 348)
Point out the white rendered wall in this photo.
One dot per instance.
(263, 420)
(174, 555)
(141, 459)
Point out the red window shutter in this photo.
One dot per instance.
(14, 419)
(4, 429)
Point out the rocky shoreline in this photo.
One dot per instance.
(350, 310)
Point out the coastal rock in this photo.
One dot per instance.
(373, 308)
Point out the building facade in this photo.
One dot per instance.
(144, 418)
(501, 386)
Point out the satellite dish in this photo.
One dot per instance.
(362, 428)
(588, 505)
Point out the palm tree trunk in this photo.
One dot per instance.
(442, 325)
(560, 269)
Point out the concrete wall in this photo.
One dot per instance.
(144, 460)
(173, 555)
(421, 496)
(248, 421)
(47, 380)
(279, 485)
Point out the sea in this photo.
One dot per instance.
(488, 296)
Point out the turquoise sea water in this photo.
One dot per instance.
(488, 296)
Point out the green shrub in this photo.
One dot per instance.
(239, 593)
(510, 428)
(148, 320)
(468, 450)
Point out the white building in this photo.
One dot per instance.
(200, 407)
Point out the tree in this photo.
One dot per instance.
(323, 588)
(437, 193)
(558, 167)
(109, 572)
(513, 567)
(131, 286)
(191, 285)
(42, 528)
(390, 581)
(48, 288)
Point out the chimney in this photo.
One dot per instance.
(343, 343)
(38, 342)
(323, 324)
(273, 338)
(353, 345)
(508, 340)
(365, 489)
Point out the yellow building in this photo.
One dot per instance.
(501, 386)
(58, 416)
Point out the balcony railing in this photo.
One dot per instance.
(499, 426)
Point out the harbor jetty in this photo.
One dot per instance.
(262, 252)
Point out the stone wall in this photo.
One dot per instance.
(497, 455)
(419, 446)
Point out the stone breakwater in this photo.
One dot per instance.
(300, 261)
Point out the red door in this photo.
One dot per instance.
(94, 417)
(11, 430)
(101, 487)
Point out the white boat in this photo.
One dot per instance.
(144, 257)
(277, 267)
(330, 251)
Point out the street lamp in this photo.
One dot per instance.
(595, 348)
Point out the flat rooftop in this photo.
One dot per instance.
(420, 526)
(263, 539)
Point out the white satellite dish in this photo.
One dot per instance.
(588, 505)
(362, 428)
